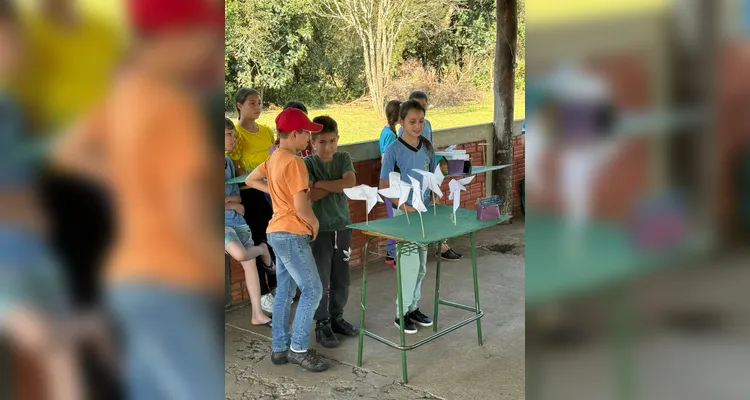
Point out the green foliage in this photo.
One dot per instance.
(285, 50)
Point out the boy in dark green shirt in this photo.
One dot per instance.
(330, 173)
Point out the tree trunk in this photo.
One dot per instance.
(504, 86)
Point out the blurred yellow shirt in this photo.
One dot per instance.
(251, 149)
(68, 69)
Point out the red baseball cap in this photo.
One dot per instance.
(292, 119)
(159, 15)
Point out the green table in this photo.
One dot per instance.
(408, 238)
(610, 260)
(237, 179)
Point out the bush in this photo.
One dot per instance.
(452, 87)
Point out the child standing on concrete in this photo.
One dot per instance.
(411, 151)
(331, 172)
(290, 232)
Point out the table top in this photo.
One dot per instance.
(436, 228)
(237, 179)
(554, 271)
(486, 168)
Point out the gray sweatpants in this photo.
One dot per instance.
(331, 251)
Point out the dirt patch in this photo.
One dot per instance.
(247, 376)
(506, 247)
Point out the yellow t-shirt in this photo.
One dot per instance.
(251, 149)
(68, 69)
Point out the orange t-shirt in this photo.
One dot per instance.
(156, 154)
(287, 175)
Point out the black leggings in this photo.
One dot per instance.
(81, 222)
(258, 213)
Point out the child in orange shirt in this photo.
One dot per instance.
(290, 232)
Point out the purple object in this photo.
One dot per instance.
(457, 167)
(488, 213)
(271, 149)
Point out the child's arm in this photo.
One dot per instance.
(234, 198)
(256, 178)
(236, 207)
(317, 194)
(348, 180)
(348, 176)
(79, 149)
(305, 212)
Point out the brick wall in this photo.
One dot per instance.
(732, 130)
(368, 172)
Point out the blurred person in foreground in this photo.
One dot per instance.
(73, 56)
(33, 302)
(149, 145)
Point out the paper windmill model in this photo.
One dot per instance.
(416, 200)
(367, 193)
(456, 187)
(397, 189)
(433, 180)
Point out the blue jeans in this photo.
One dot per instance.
(295, 266)
(173, 342)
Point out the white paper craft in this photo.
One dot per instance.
(367, 193)
(455, 187)
(397, 189)
(433, 180)
(416, 200)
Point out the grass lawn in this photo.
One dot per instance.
(359, 122)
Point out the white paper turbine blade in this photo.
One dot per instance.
(355, 193)
(363, 192)
(416, 198)
(432, 180)
(467, 180)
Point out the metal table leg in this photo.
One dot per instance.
(399, 248)
(476, 287)
(363, 301)
(477, 312)
(437, 292)
(623, 350)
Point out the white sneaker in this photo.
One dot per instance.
(266, 303)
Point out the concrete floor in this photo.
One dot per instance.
(452, 367)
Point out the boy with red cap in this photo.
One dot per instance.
(164, 278)
(293, 226)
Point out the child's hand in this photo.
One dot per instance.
(315, 228)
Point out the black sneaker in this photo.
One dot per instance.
(279, 358)
(343, 327)
(450, 255)
(409, 326)
(419, 318)
(324, 334)
(308, 360)
(459, 255)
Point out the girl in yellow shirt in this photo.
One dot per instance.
(250, 150)
(253, 139)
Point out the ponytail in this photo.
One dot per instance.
(392, 113)
(426, 143)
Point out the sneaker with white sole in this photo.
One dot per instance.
(266, 303)
(409, 326)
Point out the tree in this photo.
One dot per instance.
(505, 57)
(379, 25)
(265, 40)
